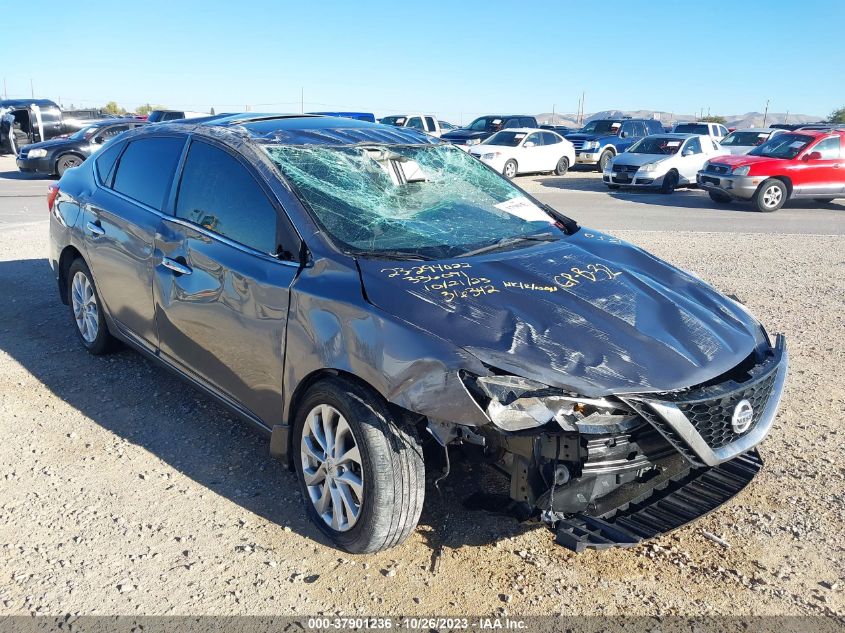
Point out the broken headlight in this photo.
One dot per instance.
(516, 404)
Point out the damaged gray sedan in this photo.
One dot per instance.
(351, 289)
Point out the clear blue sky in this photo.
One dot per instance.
(456, 59)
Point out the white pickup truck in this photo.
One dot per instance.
(427, 123)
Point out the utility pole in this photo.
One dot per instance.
(766, 113)
(31, 88)
(583, 100)
(786, 117)
(5, 92)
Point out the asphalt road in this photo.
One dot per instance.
(579, 194)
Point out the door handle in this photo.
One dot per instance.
(177, 267)
(95, 229)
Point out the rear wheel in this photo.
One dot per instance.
(361, 475)
(670, 182)
(510, 169)
(770, 196)
(86, 311)
(604, 159)
(719, 198)
(65, 162)
(562, 166)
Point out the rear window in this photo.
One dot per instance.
(744, 139)
(146, 169)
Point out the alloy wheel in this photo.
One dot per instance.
(332, 468)
(85, 310)
(772, 196)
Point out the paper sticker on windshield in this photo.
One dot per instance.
(496, 121)
(672, 143)
(519, 136)
(523, 208)
(615, 125)
(763, 135)
(796, 144)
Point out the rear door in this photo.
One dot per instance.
(221, 293)
(120, 222)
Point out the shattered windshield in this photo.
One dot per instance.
(656, 145)
(428, 202)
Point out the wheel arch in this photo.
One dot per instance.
(69, 254)
(786, 180)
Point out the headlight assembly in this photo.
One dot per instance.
(473, 141)
(37, 153)
(490, 156)
(741, 171)
(516, 404)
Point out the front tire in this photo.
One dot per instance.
(770, 196)
(719, 198)
(86, 310)
(510, 169)
(361, 476)
(670, 183)
(65, 162)
(562, 166)
(604, 159)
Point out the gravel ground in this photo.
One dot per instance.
(125, 491)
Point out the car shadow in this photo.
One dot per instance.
(572, 181)
(135, 399)
(20, 175)
(694, 198)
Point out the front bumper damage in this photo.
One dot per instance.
(604, 474)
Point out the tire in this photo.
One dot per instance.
(562, 166)
(604, 159)
(719, 198)
(66, 161)
(510, 169)
(670, 182)
(770, 196)
(389, 468)
(86, 312)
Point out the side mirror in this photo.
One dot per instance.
(812, 156)
(623, 135)
(97, 140)
(529, 144)
(688, 152)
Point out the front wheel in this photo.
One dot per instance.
(361, 475)
(65, 162)
(510, 168)
(770, 196)
(719, 198)
(604, 160)
(670, 182)
(562, 166)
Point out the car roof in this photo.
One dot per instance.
(756, 129)
(301, 129)
(679, 135)
(118, 121)
(503, 116)
(526, 130)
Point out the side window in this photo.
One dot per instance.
(146, 169)
(105, 161)
(628, 129)
(218, 193)
(430, 125)
(527, 122)
(550, 139)
(512, 123)
(172, 116)
(693, 144)
(535, 138)
(110, 132)
(639, 129)
(828, 148)
(415, 122)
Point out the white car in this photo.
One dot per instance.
(664, 161)
(715, 131)
(742, 141)
(526, 150)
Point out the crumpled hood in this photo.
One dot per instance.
(589, 313)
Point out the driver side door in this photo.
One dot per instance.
(691, 160)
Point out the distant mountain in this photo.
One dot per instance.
(749, 119)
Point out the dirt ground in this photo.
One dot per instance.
(124, 491)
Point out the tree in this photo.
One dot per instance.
(144, 110)
(837, 116)
(112, 108)
(713, 119)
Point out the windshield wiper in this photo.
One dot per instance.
(510, 241)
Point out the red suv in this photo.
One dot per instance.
(800, 164)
